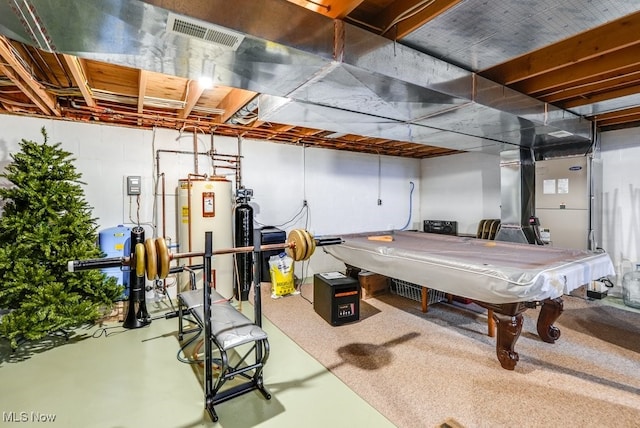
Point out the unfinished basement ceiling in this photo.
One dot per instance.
(405, 78)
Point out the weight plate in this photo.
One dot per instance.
(151, 259)
(140, 260)
(163, 258)
(312, 245)
(307, 244)
(299, 243)
(307, 240)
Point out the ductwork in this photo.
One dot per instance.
(311, 71)
(517, 192)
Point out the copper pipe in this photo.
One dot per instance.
(195, 151)
(164, 208)
(189, 217)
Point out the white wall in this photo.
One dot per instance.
(621, 198)
(466, 188)
(463, 187)
(342, 189)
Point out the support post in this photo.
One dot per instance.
(137, 315)
(208, 357)
(257, 278)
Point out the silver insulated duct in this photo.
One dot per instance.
(310, 70)
(517, 184)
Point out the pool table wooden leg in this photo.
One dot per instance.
(549, 313)
(509, 329)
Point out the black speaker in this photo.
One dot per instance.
(441, 226)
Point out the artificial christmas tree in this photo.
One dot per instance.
(46, 222)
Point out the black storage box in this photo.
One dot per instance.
(270, 235)
(336, 297)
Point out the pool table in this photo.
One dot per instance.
(505, 277)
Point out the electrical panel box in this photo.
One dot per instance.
(134, 185)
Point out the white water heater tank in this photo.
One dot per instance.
(205, 205)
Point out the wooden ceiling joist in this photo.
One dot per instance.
(408, 15)
(193, 93)
(621, 62)
(234, 101)
(583, 91)
(617, 117)
(80, 78)
(330, 8)
(142, 89)
(594, 98)
(605, 39)
(23, 79)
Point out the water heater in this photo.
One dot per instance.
(205, 205)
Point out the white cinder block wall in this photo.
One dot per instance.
(466, 188)
(621, 199)
(463, 187)
(341, 188)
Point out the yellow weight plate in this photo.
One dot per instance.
(140, 259)
(312, 246)
(299, 243)
(293, 245)
(307, 240)
(151, 259)
(307, 244)
(163, 258)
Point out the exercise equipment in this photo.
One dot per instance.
(225, 328)
(153, 257)
(137, 314)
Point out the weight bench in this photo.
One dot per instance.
(227, 329)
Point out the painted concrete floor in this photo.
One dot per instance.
(121, 378)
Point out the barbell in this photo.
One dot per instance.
(153, 256)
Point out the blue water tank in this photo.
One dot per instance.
(116, 242)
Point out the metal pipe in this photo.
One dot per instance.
(212, 154)
(195, 151)
(189, 217)
(164, 205)
(192, 276)
(239, 169)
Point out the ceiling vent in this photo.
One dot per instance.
(211, 33)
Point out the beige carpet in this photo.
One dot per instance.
(440, 368)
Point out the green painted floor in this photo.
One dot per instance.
(133, 378)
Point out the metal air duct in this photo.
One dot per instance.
(517, 185)
(325, 70)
